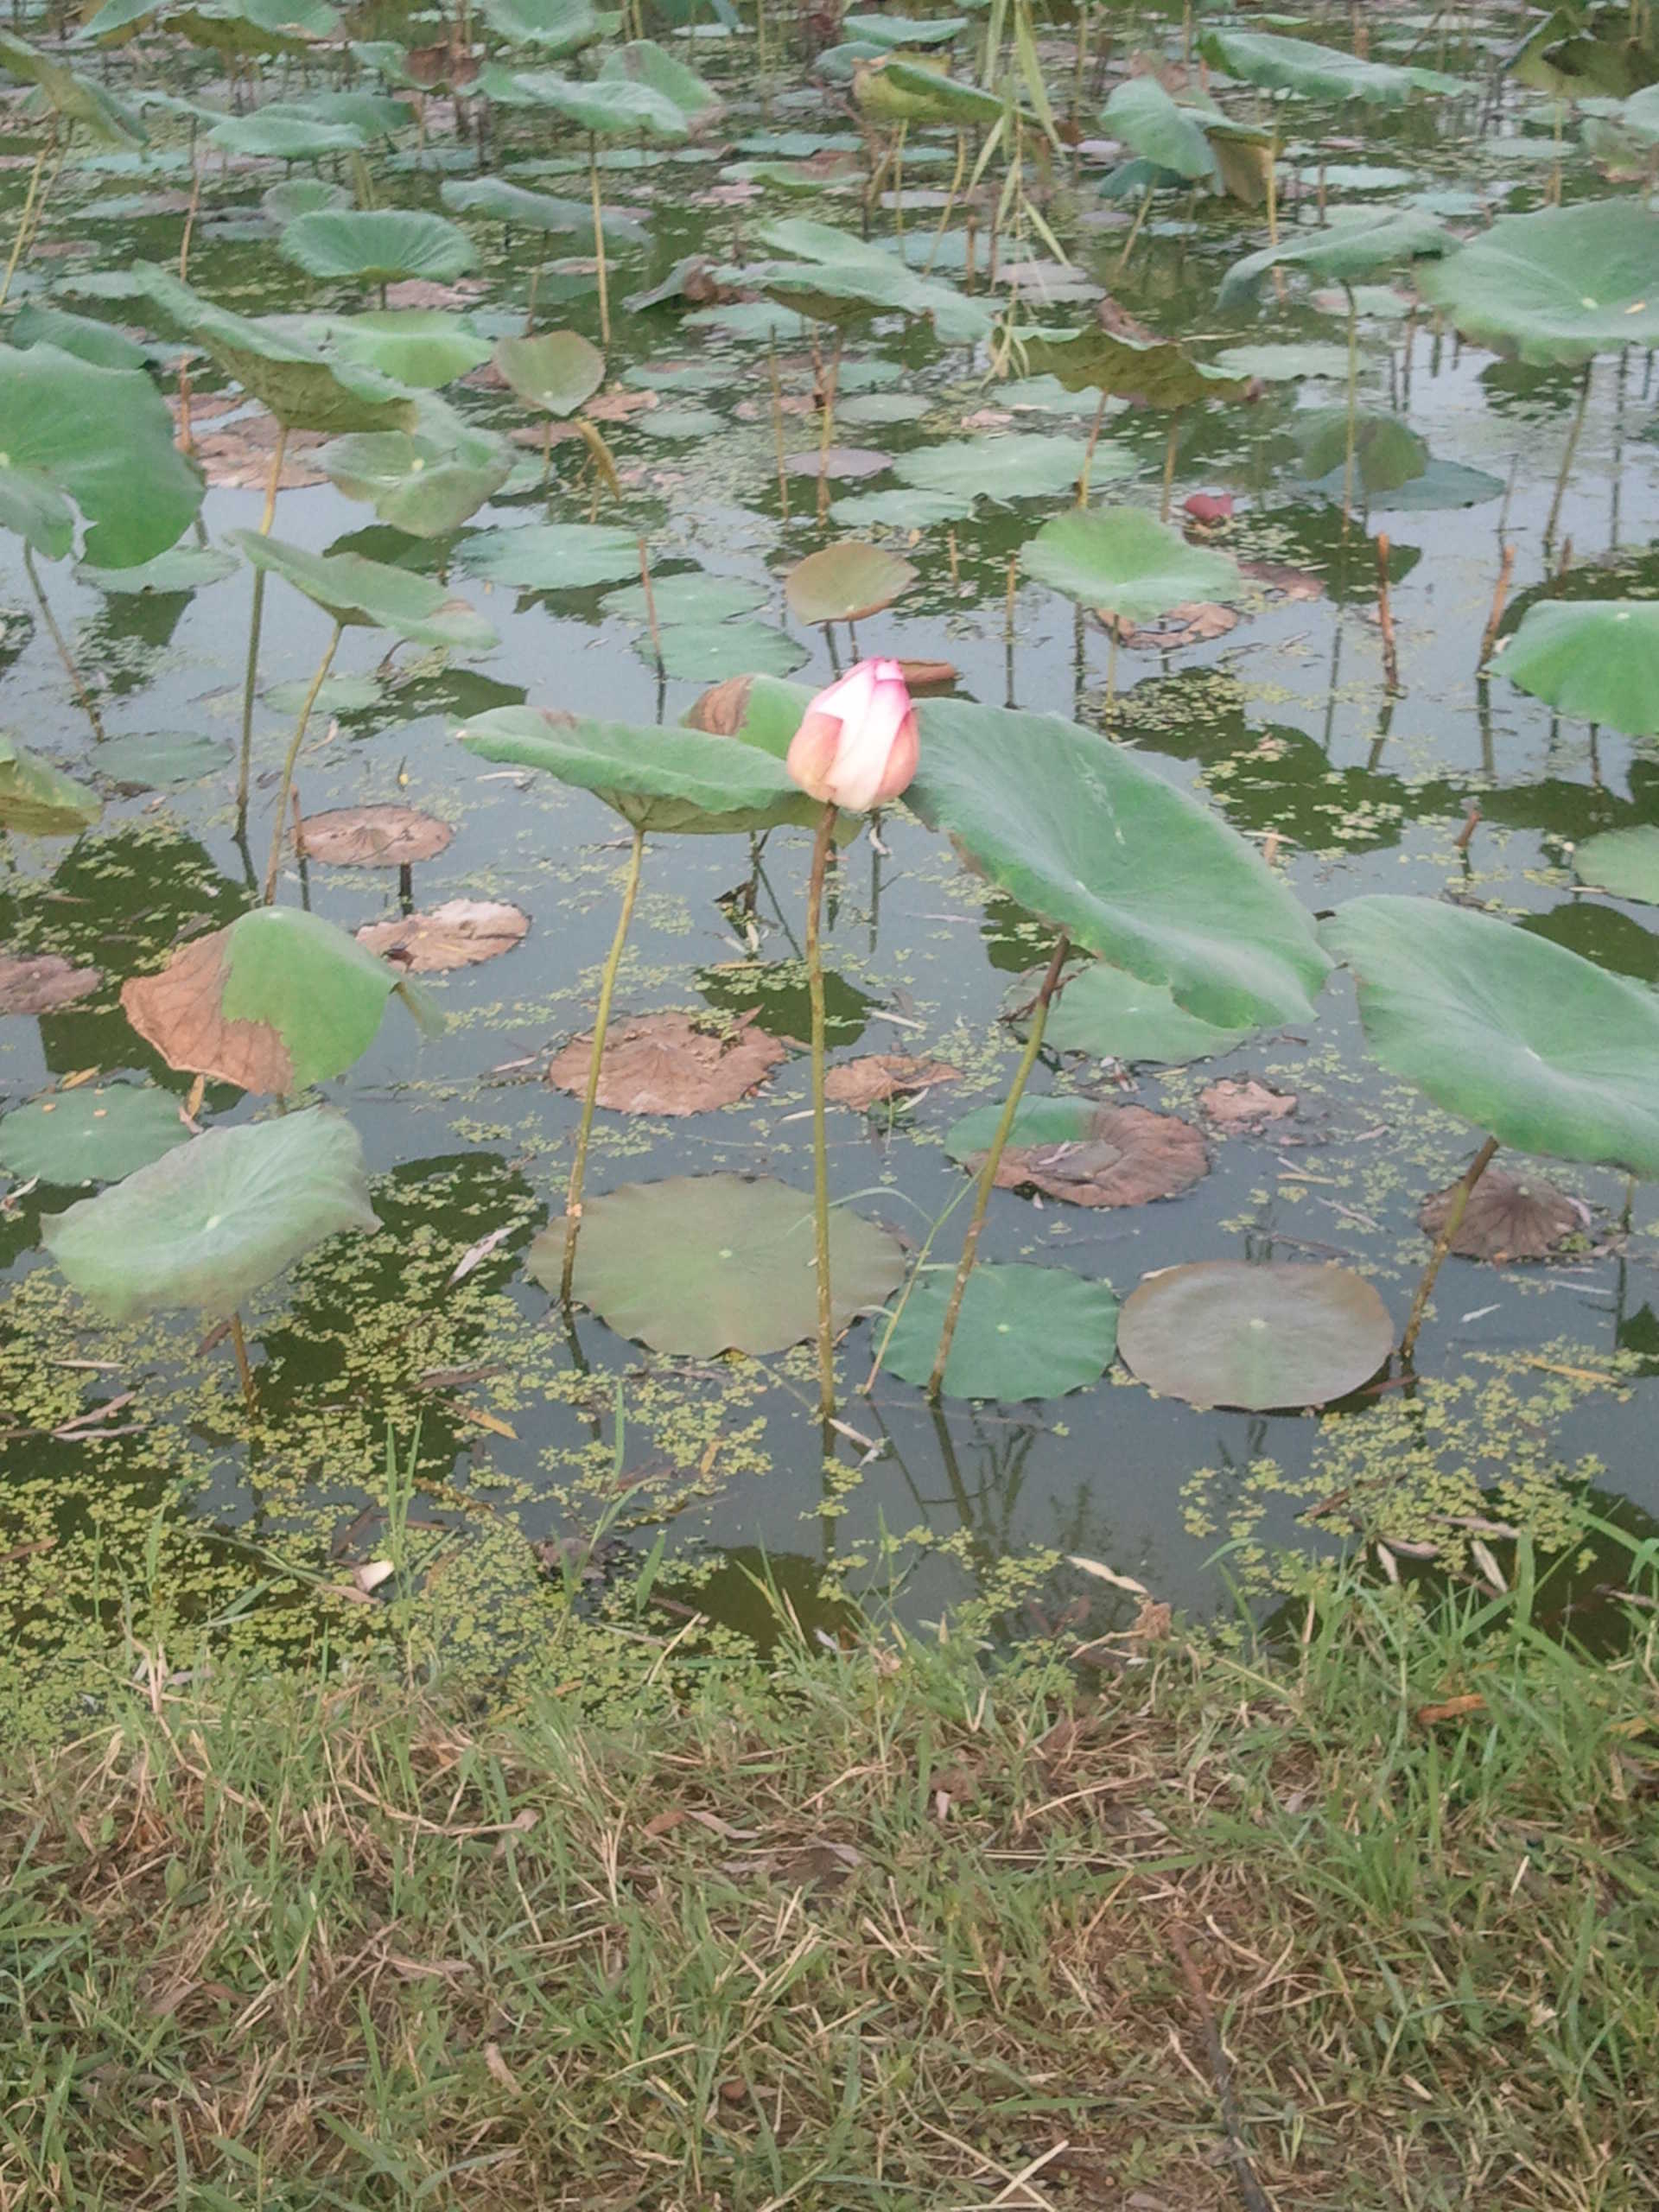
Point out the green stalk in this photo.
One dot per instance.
(595, 1057)
(1353, 401)
(291, 756)
(256, 624)
(598, 241)
(821, 845)
(1449, 1226)
(993, 1159)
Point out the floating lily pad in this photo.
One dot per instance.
(879, 1078)
(1022, 1332)
(215, 1219)
(377, 245)
(1507, 1218)
(1543, 1050)
(1239, 1104)
(40, 982)
(180, 569)
(553, 556)
(1560, 286)
(1113, 1015)
(688, 600)
(1089, 838)
(702, 1264)
(1286, 363)
(373, 837)
(37, 800)
(96, 1134)
(1016, 466)
(665, 1063)
(705, 653)
(1228, 1332)
(462, 933)
(845, 582)
(1624, 862)
(536, 211)
(276, 1002)
(1124, 562)
(261, 137)
(1597, 659)
(1387, 452)
(1083, 1152)
(907, 510)
(153, 763)
(341, 696)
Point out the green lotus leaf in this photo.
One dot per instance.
(763, 710)
(289, 27)
(1321, 73)
(1022, 1332)
(1286, 363)
(1357, 242)
(426, 486)
(908, 91)
(96, 1134)
(1541, 1049)
(216, 1218)
(1559, 286)
(554, 28)
(1124, 562)
(1009, 466)
(535, 211)
(610, 107)
(557, 371)
(154, 761)
(694, 598)
(699, 1265)
(287, 138)
(1156, 374)
(37, 800)
(299, 195)
(1596, 659)
(1623, 862)
(75, 98)
(826, 271)
(1111, 1014)
(1141, 113)
(1260, 1336)
(423, 346)
(372, 113)
(377, 245)
(116, 22)
(182, 568)
(87, 339)
(705, 653)
(100, 437)
(373, 594)
(1387, 452)
(642, 62)
(1084, 836)
(910, 509)
(846, 582)
(904, 30)
(553, 556)
(660, 780)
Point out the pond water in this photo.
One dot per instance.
(1533, 1383)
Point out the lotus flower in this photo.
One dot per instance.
(858, 745)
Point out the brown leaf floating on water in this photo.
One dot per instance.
(879, 1076)
(237, 456)
(462, 933)
(373, 837)
(1239, 1102)
(1194, 622)
(179, 1012)
(36, 982)
(1508, 1217)
(664, 1064)
(1130, 1157)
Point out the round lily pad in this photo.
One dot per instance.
(373, 837)
(1596, 659)
(1624, 862)
(462, 933)
(845, 582)
(1124, 561)
(1022, 1332)
(166, 757)
(702, 1264)
(704, 652)
(1013, 467)
(96, 1134)
(40, 982)
(1227, 1332)
(554, 556)
(686, 600)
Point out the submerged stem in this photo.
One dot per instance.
(60, 642)
(821, 845)
(289, 758)
(1449, 1227)
(599, 242)
(1353, 402)
(250, 1397)
(1573, 437)
(595, 1057)
(256, 624)
(993, 1159)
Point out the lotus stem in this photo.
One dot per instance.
(289, 758)
(1172, 448)
(1500, 597)
(950, 204)
(1449, 1227)
(651, 603)
(1385, 615)
(60, 642)
(1573, 437)
(23, 221)
(256, 623)
(595, 1059)
(250, 1396)
(189, 223)
(777, 427)
(598, 241)
(1135, 232)
(994, 1158)
(821, 845)
(1353, 402)
(827, 433)
(1089, 450)
(535, 285)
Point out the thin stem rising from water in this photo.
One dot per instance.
(821, 845)
(596, 1059)
(289, 758)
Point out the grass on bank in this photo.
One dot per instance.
(904, 1929)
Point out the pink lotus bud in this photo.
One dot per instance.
(1209, 508)
(858, 744)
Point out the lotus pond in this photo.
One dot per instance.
(1246, 442)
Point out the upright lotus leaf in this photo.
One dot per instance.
(372, 113)
(216, 1218)
(1124, 562)
(1556, 287)
(1261, 1336)
(1111, 1014)
(37, 800)
(609, 107)
(83, 335)
(535, 211)
(423, 346)
(377, 245)
(1356, 242)
(1142, 114)
(427, 483)
(1623, 862)
(698, 1265)
(554, 28)
(1540, 1048)
(373, 594)
(75, 98)
(276, 1002)
(294, 381)
(903, 30)
(658, 779)
(1023, 1332)
(1387, 452)
(1596, 659)
(284, 137)
(96, 1133)
(180, 569)
(1089, 838)
(101, 438)
(642, 62)
(846, 582)
(1157, 372)
(829, 273)
(557, 371)
(1320, 72)
(270, 27)
(908, 90)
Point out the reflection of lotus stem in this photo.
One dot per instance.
(598, 241)
(821, 845)
(189, 223)
(1171, 447)
(256, 623)
(535, 283)
(34, 206)
(59, 640)
(1449, 1226)
(1353, 401)
(650, 605)
(829, 430)
(1089, 450)
(777, 427)
(595, 1057)
(291, 756)
(1573, 437)
(248, 1397)
(898, 181)
(949, 203)
(994, 1158)
(1135, 232)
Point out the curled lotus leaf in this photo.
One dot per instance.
(1085, 1154)
(37, 800)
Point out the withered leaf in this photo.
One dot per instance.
(664, 1064)
(878, 1077)
(1508, 1217)
(237, 456)
(723, 707)
(1194, 622)
(36, 982)
(462, 933)
(178, 1011)
(1240, 1102)
(372, 836)
(1130, 1157)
